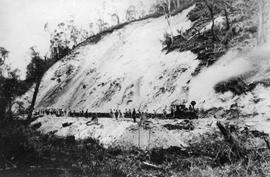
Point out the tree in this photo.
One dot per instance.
(213, 7)
(3, 55)
(9, 86)
(60, 40)
(34, 74)
(10, 91)
(177, 3)
(131, 13)
(210, 5)
(227, 7)
(167, 9)
(91, 29)
(65, 37)
(115, 19)
(141, 11)
(157, 8)
(102, 25)
(261, 27)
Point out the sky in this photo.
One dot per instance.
(22, 22)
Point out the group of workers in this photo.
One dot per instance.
(176, 111)
(63, 112)
(117, 113)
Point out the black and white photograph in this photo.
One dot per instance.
(134, 88)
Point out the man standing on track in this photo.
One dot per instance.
(134, 115)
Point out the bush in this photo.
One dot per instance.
(16, 148)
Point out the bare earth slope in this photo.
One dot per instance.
(128, 69)
(125, 69)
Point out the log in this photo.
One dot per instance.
(147, 165)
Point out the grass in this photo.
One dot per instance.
(210, 48)
(25, 151)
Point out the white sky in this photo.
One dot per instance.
(22, 21)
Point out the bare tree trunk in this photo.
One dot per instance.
(32, 106)
(9, 108)
(261, 32)
(267, 143)
(178, 3)
(117, 20)
(213, 24)
(211, 11)
(225, 40)
(169, 6)
(236, 147)
(169, 18)
(228, 26)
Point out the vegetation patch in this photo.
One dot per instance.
(237, 86)
(217, 27)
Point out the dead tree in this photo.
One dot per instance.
(236, 148)
(228, 26)
(267, 142)
(35, 71)
(3, 55)
(34, 98)
(210, 7)
(261, 30)
(227, 7)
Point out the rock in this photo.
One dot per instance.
(36, 126)
(67, 124)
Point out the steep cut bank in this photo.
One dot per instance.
(126, 69)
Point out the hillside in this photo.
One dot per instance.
(125, 69)
(129, 69)
(217, 60)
